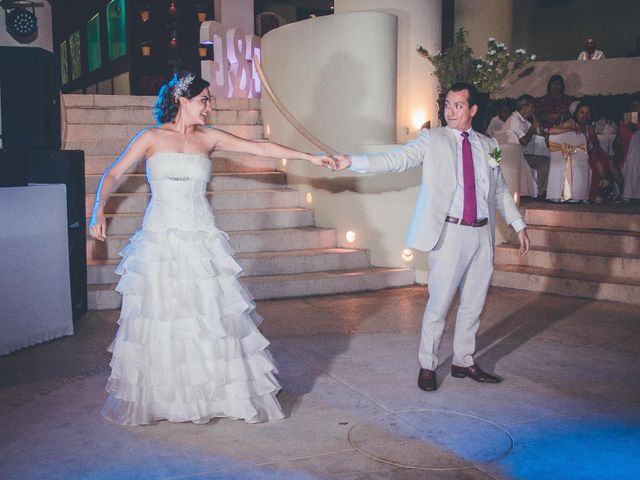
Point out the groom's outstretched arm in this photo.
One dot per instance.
(404, 157)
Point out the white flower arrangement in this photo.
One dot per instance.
(495, 157)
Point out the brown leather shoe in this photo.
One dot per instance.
(427, 380)
(474, 372)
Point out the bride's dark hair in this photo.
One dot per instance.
(182, 84)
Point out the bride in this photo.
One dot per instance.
(187, 347)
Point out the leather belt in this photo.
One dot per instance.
(481, 222)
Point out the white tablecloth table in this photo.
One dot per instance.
(35, 293)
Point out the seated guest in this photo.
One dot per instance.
(603, 170)
(553, 108)
(602, 124)
(497, 123)
(631, 169)
(590, 52)
(531, 137)
(626, 129)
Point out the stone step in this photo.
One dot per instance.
(585, 262)
(221, 162)
(597, 241)
(143, 115)
(569, 284)
(120, 134)
(148, 101)
(222, 200)
(262, 263)
(227, 220)
(273, 240)
(284, 286)
(620, 218)
(137, 182)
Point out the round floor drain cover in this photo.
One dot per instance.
(431, 439)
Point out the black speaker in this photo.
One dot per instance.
(29, 98)
(67, 166)
(13, 169)
(78, 272)
(61, 166)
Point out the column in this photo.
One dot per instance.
(419, 23)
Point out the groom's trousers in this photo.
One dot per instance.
(462, 259)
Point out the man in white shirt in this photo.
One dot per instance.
(530, 136)
(454, 220)
(590, 52)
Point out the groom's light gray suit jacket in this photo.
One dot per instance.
(437, 151)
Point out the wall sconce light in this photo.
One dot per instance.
(407, 254)
(145, 12)
(309, 198)
(350, 236)
(284, 162)
(172, 7)
(145, 47)
(203, 51)
(201, 10)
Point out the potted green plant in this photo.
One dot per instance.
(457, 64)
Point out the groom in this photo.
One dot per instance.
(454, 220)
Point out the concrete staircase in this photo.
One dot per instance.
(588, 251)
(282, 252)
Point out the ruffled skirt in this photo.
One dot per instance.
(187, 347)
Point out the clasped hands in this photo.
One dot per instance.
(334, 162)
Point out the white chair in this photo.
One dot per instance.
(510, 164)
(576, 172)
(528, 180)
(631, 169)
(523, 177)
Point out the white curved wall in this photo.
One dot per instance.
(337, 75)
(419, 24)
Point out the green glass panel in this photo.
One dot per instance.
(76, 59)
(64, 63)
(116, 31)
(93, 43)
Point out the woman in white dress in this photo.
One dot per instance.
(187, 347)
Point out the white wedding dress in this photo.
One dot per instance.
(188, 347)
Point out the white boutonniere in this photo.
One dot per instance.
(495, 157)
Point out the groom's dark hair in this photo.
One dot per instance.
(473, 91)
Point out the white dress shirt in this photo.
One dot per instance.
(597, 55)
(518, 126)
(481, 176)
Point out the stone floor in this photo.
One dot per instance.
(569, 407)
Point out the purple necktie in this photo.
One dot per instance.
(469, 182)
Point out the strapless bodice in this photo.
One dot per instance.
(178, 183)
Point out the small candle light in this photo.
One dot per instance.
(407, 254)
(350, 236)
